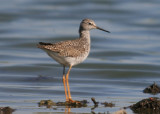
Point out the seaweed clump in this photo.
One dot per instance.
(107, 104)
(50, 103)
(47, 103)
(77, 104)
(153, 89)
(6, 110)
(147, 106)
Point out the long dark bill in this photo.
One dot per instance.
(102, 29)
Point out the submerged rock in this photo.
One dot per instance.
(153, 89)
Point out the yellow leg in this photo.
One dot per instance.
(67, 77)
(64, 83)
(69, 93)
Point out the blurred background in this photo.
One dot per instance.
(120, 65)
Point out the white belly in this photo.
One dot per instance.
(67, 61)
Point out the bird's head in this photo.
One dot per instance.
(88, 24)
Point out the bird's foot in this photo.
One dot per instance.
(74, 101)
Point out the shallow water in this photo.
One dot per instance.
(120, 65)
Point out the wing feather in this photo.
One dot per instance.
(69, 48)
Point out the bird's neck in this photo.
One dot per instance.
(85, 38)
(85, 34)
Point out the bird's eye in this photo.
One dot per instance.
(90, 23)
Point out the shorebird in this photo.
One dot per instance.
(71, 52)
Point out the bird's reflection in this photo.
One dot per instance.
(67, 110)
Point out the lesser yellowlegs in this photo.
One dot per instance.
(71, 52)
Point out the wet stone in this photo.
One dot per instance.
(147, 106)
(153, 89)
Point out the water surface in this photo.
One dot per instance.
(120, 65)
